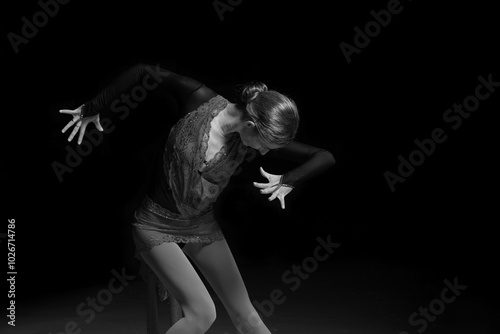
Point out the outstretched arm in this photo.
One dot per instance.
(142, 81)
(313, 161)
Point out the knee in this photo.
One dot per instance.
(202, 316)
(206, 320)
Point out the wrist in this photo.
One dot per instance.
(87, 110)
(283, 184)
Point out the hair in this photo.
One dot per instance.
(275, 115)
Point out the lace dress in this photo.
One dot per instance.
(194, 183)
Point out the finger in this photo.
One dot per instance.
(98, 124)
(268, 190)
(264, 173)
(273, 196)
(75, 131)
(261, 185)
(68, 111)
(70, 124)
(82, 132)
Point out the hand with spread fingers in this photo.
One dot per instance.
(80, 123)
(274, 187)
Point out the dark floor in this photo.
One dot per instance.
(341, 296)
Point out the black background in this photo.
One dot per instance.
(442, 219)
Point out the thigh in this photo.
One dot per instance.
(217, 264)
(174, 270)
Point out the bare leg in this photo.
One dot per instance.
(217, 264)
(180, 278)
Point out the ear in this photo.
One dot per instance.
(249, 124)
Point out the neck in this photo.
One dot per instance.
(231, 119)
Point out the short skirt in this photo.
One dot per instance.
(154, 225)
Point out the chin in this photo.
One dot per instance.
(246, 143)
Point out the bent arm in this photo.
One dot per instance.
(153, 81)
(314, 161)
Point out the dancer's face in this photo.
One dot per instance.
(251, 137)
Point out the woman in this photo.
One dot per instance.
(208, 142)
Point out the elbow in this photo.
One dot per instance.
(328, 158)
(331, 160)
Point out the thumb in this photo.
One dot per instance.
(282, 201)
